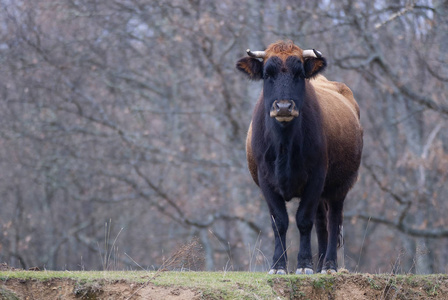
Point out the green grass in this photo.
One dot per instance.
(187, 279)
(137, 276)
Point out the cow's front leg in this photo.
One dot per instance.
(279, 222)
(305, 217)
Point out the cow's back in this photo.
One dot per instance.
(343, 131)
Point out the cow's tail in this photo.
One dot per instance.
(341, 236)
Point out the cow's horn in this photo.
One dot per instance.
(312, 53)
(256, 54)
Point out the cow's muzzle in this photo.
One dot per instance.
(284, 110)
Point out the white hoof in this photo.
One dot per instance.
(275, 271)
(304, 271)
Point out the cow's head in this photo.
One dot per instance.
(284, 67)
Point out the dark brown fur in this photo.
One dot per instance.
(340, 114)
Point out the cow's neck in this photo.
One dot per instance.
(287, 150)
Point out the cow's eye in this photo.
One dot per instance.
(269, 72)
(295, 65)
(271, 67)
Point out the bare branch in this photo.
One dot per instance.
(385, 188)
(403, 227)
(409, 7)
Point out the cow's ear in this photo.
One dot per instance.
(313, 66)
(251, 66)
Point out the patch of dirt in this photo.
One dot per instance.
(71, 290)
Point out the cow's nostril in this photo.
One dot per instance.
(283, 105)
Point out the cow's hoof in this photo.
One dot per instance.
(277, 271)
(304, 271)
(329, 271)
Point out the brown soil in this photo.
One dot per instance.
(69, 289)
(341, 286)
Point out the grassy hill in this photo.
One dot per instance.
(216, 285)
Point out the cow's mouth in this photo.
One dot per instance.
(284, 110)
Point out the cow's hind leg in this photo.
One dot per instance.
(322, 233)
(335, 218)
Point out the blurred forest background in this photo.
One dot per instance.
(123, 123)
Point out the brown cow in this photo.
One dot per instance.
(305, 141)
